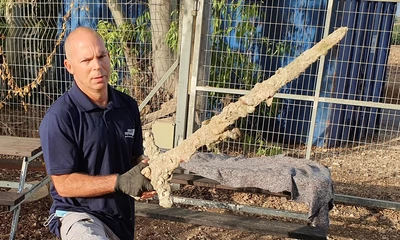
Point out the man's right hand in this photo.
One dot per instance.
(133, 183)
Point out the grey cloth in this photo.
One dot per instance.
(307, 181)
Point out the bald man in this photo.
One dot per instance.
(92, 145)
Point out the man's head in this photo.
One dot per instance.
(87, 60)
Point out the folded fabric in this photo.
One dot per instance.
(307, 181)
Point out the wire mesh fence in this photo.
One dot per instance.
(343, 111)
(142, 38)
(343, 107)
(333, 97)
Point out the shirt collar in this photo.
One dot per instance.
(86, 104)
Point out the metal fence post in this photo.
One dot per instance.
(319, 82)
(200, 58)
(188, 7)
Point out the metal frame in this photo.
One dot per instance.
(198, 45)
(319, 82)
(239, 208)
(189, 9)
(20, 187)
(316, 99)
(306, 98)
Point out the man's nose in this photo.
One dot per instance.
(96, 64)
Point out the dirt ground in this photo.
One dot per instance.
(393, 84)
(371, 171)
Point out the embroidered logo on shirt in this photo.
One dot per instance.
(130, 133)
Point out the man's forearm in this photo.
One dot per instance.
(83, 185)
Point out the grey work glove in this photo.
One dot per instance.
(133, 183)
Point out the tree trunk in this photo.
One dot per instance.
(160, 23)
(161, 166)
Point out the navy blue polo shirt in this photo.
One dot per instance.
(77, 136)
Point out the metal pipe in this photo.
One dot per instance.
(239, 208)
(359, 201)
(198, 50)
(317, 93)
(32, 191)
(159, 84)
(366, 202)
(184, 71)
(307, 98)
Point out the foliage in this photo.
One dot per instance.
(235, 40)
(142, 34)
(396, 35)
(116, 39)
(172, 38)
(3, 24)
(134, 37)
(3, 5)
(256, 144)
(233, 65)
(36, 52)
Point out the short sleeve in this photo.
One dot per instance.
(60, 151)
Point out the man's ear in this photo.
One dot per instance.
(68, 66)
